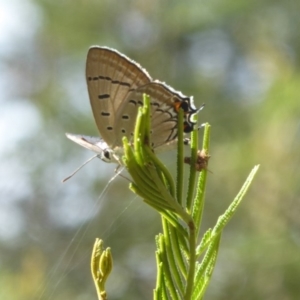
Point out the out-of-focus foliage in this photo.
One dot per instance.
(240, 58)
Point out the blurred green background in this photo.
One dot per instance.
(240, 58)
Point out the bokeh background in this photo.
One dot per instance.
(240, 58)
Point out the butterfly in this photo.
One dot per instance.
(116, 85)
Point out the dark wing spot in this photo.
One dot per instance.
(123, 130)
(155, 104)
(109, 79)
(125, 117)
(120, 83)
(109, 128)
(106, 114)
(132, 101)
(103, 96)
(185, 106)
(104, 77)
(187, 127)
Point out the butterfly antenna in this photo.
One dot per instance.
(67, 178)
(200, 108)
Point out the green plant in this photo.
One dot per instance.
(180, 272)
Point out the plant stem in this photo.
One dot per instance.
(192, 262)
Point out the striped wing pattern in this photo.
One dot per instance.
(110, 78)
(116, 86)
(164, 111)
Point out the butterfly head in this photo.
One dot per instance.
(108, 155)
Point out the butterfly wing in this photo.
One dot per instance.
(92, 143)
(165, 103)
(111, 76)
